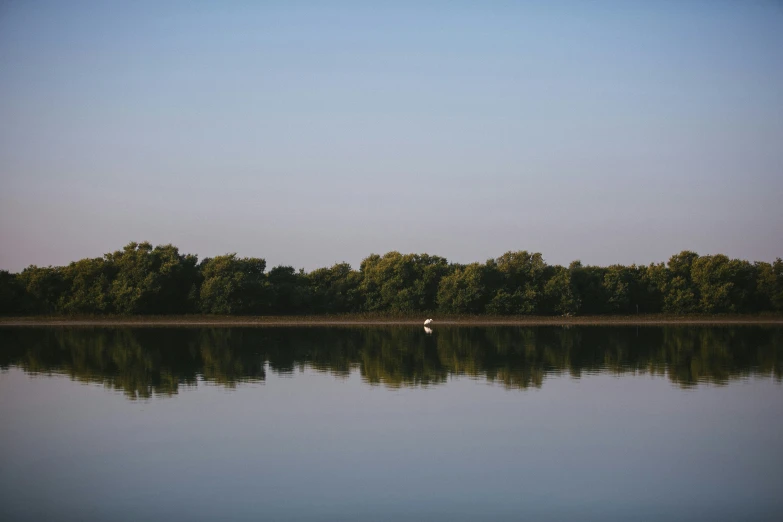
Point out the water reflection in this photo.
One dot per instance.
(157, 361)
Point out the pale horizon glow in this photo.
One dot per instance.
(307, 134)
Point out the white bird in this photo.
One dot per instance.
(428, 321)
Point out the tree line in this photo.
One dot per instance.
(144, 362)
(142, 279)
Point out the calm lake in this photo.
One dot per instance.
(371, 423)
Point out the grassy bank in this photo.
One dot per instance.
(385, 320)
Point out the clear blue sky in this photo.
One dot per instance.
(309, 134)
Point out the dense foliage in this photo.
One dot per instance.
(142, 279)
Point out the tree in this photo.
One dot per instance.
(153, 280)
(588, 286)
(680, 294)
(12, 294)
(464, 290)
(233, 285)
(89, 287)
(617, 283)
(287, 290)
(142, 279)
(401, 283)
(560, 294)
(770, 285)
(713, 277)
(335, 290)
(651, 288)
(516, 280)
(44, 287)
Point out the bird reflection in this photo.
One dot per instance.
(427, 330)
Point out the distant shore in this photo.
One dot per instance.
(364, 320)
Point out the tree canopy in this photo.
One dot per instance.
(142, 279)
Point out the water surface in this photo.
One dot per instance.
(548, 423)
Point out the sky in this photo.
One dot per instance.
(311, 133)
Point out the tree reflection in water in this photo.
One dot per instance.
(143, 362)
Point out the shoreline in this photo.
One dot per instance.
(345, 321)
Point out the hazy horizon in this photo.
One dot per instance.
(615, 132)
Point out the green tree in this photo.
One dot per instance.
(233, 285)
(44, 288)
(516, 281)
(651, 287)
(560, 293)
(288, 291)
(680, 294)
(770, 285)
(142, 279)
(12, 294)
(335, 290)
(713, 277)
(464, 290)
(680, 298)
(588, 287)
(617, 287)
(155, 280)
(89, 287)
(402, 283)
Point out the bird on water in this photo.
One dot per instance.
(428, 321)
